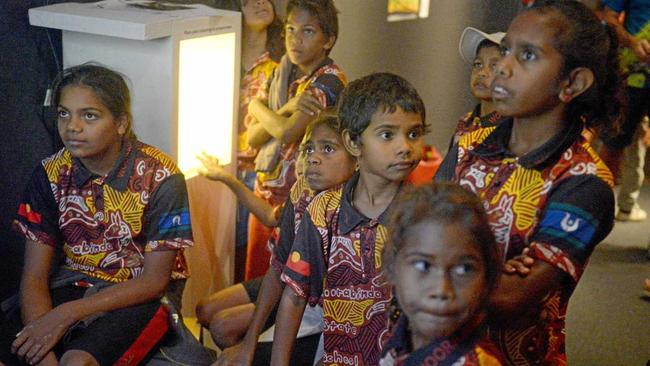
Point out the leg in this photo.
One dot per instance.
(232, 296)
(78, 358)
(227, 327)
(632, 175)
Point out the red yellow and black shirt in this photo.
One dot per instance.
(473, 120)
(556, 200)
(325, 83)
(105, 224)
(350, 284)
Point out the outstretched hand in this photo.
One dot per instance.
(211, 168)
(38, 337)
(520, 264)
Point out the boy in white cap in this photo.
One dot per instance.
(482, 51)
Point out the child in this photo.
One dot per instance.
(481, 50)
(262, 48)
(110, 213)
(442, 263)
(337, 250)
(243, 310)
(543, 186)
(305, 82)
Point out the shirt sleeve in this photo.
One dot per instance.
(447, 168)
(326, 88)
(616, 5)
(305, 268)
(37, 216)
(167, 218)
(281, 249)
(579, 215)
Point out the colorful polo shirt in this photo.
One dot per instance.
(471, 348)
(350, 284)
(254, 84)
(473, 121)
(325, 83)
(556, 200)
(105, 225)
(292, 213)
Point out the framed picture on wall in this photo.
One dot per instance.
(399, 10)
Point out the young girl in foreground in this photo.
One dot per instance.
(104, 219)
(442, 263)
(544, 189)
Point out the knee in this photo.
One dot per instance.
(224, 330)
(77, 358)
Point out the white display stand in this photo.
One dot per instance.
(183, 66)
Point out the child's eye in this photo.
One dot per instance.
(308, 150)
(463, 269)
(328, 149)
(63, 114)
(493, 66)
(421, 265)
(477, 65)
(89, 116)
(527, 56)
(289, 29)
(504, 51)
(386, 135)
(415, 134)
(309, 31)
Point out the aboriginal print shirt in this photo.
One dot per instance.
(253, 85)
(349, 283)
(557, 201)
(473, 121)
(105, 225)
(325, 83)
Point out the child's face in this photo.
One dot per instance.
(439, 280)
(391, 146)
(527, 83)
(88, 129)
(257, 13)
(483, 71)
(306, 43)
(327, 163)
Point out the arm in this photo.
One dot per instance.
(288, 124)
(35, 299)
(242, 353)
(287, 324)
(257, 206)
(641, 47)
(45, 331)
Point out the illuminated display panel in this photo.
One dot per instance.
(206, 88)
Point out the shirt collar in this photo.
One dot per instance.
(117, 178)
(327, 61)
(349, 216)
(496, 144)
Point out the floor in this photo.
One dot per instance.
(609, 321)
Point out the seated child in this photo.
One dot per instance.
(108, 214)
(246, 309)
(305, 82)
(336, 256)
(482, 51)
(442, 264)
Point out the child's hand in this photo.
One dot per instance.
(211, 168)
(305, 103)
(520, 264)
(238, 355)
(38, 337)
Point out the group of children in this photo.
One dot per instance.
(474, 269)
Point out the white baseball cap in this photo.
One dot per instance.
(471, 38)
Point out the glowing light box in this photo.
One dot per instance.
(182, 62)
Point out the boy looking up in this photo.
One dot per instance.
(336, 255)
(305, 82)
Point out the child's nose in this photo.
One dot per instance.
(405, 146)
(504, 67)
(75, 124)
(442, 288)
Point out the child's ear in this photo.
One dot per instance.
(122, 125)
(350, 144)
(577, 82)
(330, 43)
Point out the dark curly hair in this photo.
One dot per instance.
(323, 10)
(445, 203)
(363, 97)
(585, 41)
